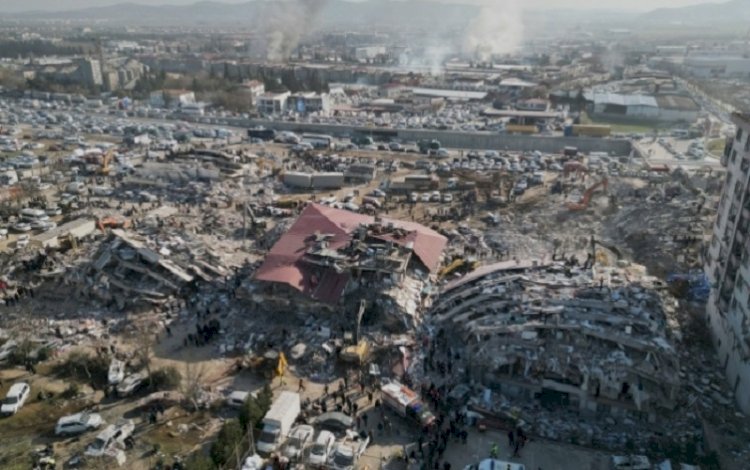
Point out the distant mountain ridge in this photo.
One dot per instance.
(330, 12)
(733, 11)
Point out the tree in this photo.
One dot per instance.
(145, 343)
(192, 385)
(227, 442)
(199, 462)
(265, 398)
(166, 378)
(255, 408)
(250, 413)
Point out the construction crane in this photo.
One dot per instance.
(583, 204)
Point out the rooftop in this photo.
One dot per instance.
(296, 261)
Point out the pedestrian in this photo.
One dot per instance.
(325, 390)
(510, 438)
(494, 452)
(364, 418)
(369, 397)
(516, 446)
(301, 387)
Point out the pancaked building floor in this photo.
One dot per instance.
(564, 349)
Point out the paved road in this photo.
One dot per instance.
(537, 455)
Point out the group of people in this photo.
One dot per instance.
(203, 333)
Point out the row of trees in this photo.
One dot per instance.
(37, 47)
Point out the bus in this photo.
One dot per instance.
(318, 141)
(261, 133)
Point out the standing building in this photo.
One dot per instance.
(728, 266)
(272, 103)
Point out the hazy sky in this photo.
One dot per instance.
(26, 5)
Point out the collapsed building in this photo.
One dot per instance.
(330, 259)
(126, 271)
(593, 339)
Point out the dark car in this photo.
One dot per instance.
(334, 421)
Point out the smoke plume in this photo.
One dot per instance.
(288, 22)
(496, 30)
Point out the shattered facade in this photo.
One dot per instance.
(591, 339)
(727, 266)
(331, 255)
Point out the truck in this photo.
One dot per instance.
(362, 140)
(261, 133)
(407, 403)
(278, 422)
(591, 130)
(427, 146)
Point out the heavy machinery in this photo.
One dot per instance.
(574, 166)
(112, 222)
(459, 265)
(496, 185)
(583, 204)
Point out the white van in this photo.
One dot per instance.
(15, 398)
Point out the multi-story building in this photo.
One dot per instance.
(272, 103)
(728, 266)
(309, 102)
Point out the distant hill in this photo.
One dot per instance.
(731, 12)
(325, 13)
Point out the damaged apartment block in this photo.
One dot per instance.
(334, 258)
(591, 339)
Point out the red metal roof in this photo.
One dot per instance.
(284, 262)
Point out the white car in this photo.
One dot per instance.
(413, 197)
(53, 210)
(425, 197)
(237, 398)
(322, 449)
(447, 197)
(7, 348)
(15, 398)
(299, 438)
(109, 436)
(130, 383)
(22, 241)
(347, 453)
(78, 423)
(21, 227)
(435, 196)
(116, 372)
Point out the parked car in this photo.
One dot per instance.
(22, 241)
(130, 384)
(299, 438)
(347, 453)
(447, 197)
(116, 372)
(78, 423)
(53, 210)
(7, 348)
(322, 449)
(109, 436)
(237, 398)
(15, 398)
(334, 421)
